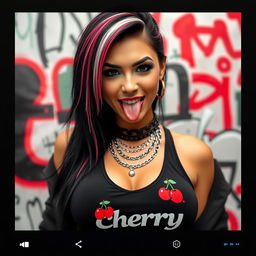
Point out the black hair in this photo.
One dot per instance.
(92, 115)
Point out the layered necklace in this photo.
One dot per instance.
(147, 149)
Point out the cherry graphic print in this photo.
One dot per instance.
(164, 193)
(104, 211)
(176, 196)
(99, 213)
(172, 194)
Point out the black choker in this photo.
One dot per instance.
(137, 134)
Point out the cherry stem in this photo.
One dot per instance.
(169, 184)
(103, 205)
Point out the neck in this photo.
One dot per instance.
(135, 134)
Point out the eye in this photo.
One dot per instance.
(110, 72)
(144, 68)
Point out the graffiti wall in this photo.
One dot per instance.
(203, 95)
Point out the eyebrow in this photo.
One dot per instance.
(134, 64)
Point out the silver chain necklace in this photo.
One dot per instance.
(132, 148)
(133, 158)
(156, 145)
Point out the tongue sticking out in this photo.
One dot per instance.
(132, 111)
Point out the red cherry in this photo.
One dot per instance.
(99, 214)
(109, 212)
(164, 193)
(176, 196)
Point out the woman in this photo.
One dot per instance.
(119, 169)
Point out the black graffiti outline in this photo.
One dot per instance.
(183, 92)
(17, 202)
(26, 111)
(48, 143)
(40, 25)
(231, 164)
(79, 25)
(41, 39)
(29, 204)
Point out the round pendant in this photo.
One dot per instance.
(131, 173)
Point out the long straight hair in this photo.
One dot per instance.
(92, 115)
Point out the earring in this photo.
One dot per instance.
(162, 89)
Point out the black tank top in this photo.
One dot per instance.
(168, 203)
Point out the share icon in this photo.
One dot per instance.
(78, 244)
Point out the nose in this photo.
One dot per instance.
(129, 85)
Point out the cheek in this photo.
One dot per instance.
(109, 91)
(150, 85)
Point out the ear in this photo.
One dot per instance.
(162, 69)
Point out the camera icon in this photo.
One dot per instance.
(176, 244)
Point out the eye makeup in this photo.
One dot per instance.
(144, 67)
(110, 72)
(115, 70)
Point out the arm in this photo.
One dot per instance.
(197, 160)
(214, 215)
(60, 147)
(209, 183)
(211, 190)
(204, 164)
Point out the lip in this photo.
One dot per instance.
(131, 98)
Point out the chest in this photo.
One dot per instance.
(143, 176)
(160, 195)
(99, 204)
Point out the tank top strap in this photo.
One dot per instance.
(172, 156)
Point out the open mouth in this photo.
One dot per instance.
(131, 100)
(132, 107)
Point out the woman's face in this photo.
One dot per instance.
(131, 75)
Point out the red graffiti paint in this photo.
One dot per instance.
(221, 91)
(232, 220)
(235, 16)
(31, 184)
(187, 31)
(238, 189)
(156, 16)
(210, 134)
(38, 101)
(223, 64)
(239, 78)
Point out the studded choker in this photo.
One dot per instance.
(138, 134)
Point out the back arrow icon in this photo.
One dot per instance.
(78, 244)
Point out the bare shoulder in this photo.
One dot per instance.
(197, 159)
(60, 147)
(192, 148)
